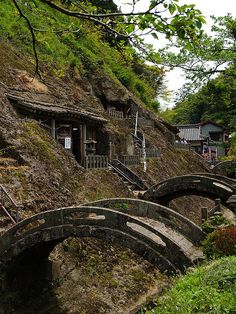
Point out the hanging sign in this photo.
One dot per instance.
(67, 142)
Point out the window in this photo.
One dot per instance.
(215, 136)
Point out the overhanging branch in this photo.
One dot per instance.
(32, 35)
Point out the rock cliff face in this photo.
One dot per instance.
(41, 175)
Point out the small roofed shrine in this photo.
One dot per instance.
(80, 131)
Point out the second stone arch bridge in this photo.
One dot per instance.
(204, 184)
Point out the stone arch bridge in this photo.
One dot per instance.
(226, 168)
(144, 227)
(203, 184)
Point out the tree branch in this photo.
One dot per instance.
(90, 17)
(97, 16)
(32, 35)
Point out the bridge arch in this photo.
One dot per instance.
(34, 238)
(203, 185)
(141, 208)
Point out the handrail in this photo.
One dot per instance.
(4, 193)
(7, 214)
(122, 174)
(117, 164)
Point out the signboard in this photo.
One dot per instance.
(67, 142)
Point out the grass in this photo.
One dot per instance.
(65, 52)
(40, 143)
(206, 289)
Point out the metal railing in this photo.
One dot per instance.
(9, 206)
(115, 113)
(95, 162)
(128, 174)
(206, 214)
(137, 141)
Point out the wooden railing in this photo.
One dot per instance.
(182, 146)
(9, 206)
(151, 153)
(115, 113)
(206, 214)
(130, 160)
(95, 162)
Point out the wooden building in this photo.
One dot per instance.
(207, 138)
(77, 130)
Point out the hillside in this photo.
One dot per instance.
(41, 175)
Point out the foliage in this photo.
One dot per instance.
(232, 151)
(221, 242)
(214, 222)
(183, 21)
(212, 54)
(71, 47)
(215, 101)
(206, 289)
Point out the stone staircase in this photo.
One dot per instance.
(10, 164)
(6, 162)
(131, 179)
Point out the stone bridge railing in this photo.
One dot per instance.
(207, 186)
(154, 211)
(219, 177)
(47, 229)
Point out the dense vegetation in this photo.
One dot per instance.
(215, 100)
(78, 49)
(206, 289)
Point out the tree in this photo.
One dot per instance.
(160, 16)
(214, 101)
(209, 56)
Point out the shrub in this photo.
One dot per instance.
(221, 242)
(214, 222)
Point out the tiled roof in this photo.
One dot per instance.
(53, 109)
(190, 132)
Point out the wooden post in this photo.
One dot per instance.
(136, 125)
(53, 128)
(218, 204)
(84, 139)
(204, 214)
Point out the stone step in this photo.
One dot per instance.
(13, 168)
(4, 161)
